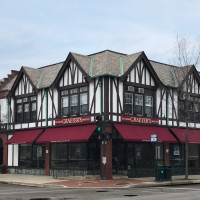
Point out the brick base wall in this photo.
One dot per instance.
(106, 168)
(166, 153)
(5, 149)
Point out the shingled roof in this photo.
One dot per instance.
(103, 63)
(106, 63)
(170, 75)
(43, 77)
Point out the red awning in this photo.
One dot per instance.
(24, 137)
(143, 133)
(193, 135)
(67, 134)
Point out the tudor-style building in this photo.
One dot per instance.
(51, 114)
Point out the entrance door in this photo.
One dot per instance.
(1, 152)
(119, 156)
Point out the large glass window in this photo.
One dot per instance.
(58, 155)
(77, 151)
(74, 102)
(26, 109)
(64, 153)
(31, 156)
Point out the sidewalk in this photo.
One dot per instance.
(92, 181)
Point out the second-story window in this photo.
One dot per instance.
(26, 109)
(74, 102)
(138, 104)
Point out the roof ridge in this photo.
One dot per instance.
(49, 65)
(163, 63)
(79, 54)
(134, 53)
(107, 50)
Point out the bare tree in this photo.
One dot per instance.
(186, 54)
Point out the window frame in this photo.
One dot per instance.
(147, 93)
(70, 92)
(23, 101)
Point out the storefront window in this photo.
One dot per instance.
(58, 155)
(144, 155)
(64, 153)
(176, 155)
(38, 156)
(77, 151)
(31, 156)
(193, 157)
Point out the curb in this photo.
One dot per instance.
(141, 185)
(23, 184)
(171, 183)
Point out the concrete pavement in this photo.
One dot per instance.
(93, 181)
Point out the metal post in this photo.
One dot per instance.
(186, 152)
(104, 166)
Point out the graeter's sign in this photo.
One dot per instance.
(73, 120)
(139, 120)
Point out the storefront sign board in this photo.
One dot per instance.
(73, 120)
(139, 120)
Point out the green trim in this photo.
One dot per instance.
(167, 109)
(6, 94)
(121, 66)
(40, 79)
(174, 76)
(91, 66)
(46, 107)
(100, 93)
(8, 115)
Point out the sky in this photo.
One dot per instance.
(36, 33)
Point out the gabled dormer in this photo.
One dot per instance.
(73, 87)
(140, 83)
(24, 96)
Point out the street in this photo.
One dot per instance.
(183, 192)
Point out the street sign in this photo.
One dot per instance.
(154, 138)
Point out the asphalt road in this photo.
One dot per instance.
(187, 192)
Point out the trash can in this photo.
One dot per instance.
(160, 173)
(168, 173)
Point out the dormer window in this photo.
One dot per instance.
(26, 109)
(74, 102)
